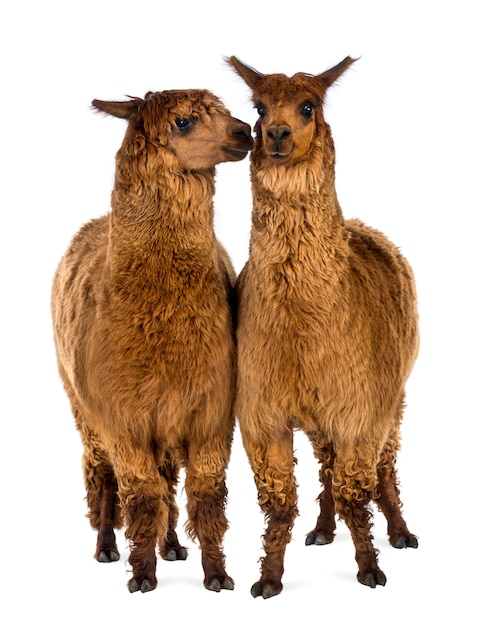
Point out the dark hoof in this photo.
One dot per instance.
(372, 579)
(176, 554)
(220, 582)
(266, 590)
(318, 539)
(406, 542)
(144, 585)
(107, 556)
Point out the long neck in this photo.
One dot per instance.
(161, 229)
(297, 219)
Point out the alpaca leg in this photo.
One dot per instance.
(277, 495)
(141, 495)
(324, 530)
(102, 496)
(206, 499)
(388, 496)
(169, 546)
(354, 483)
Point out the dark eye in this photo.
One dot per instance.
(261, 110)
(307, 111)
(183, 124)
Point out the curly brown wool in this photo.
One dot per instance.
(327, 332)
(143, 324)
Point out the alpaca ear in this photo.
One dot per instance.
(249, 74)
(328, 77)
(124, 110)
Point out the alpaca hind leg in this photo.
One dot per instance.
(354, 483)
(277, 495)
(388, 496)
(324, 531)
(141, 495)
(102, 497)
(169, 546)
(206, 500)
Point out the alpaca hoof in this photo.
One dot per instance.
(220, 582)
(405, 542)
(318, 539)
(266, 590)
(176, 554)
(144, 585)
(107, 556)
(372, 579)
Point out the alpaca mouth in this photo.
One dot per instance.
(279, 156)
(236, 154)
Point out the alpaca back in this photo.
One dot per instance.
(385, 277)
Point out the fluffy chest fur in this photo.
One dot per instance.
(324, 323)
(139, 347)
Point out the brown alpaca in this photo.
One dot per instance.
(327, 333)
(142, 318)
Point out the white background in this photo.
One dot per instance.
(412, 123)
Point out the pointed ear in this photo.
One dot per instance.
(328, 77)
(249, 74)
(124, 110)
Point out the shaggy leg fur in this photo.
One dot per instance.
(354, 484)
(169, 546)
(388, 496)
(102, 497)
(324, 531)
(206, 500)
(277, 493)
(146, 516)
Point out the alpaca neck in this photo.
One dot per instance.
(162, 231)
(299, 244)
(296, 214)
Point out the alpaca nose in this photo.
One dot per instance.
(241, 129)
(277, 133)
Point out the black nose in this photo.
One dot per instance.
(277, 133)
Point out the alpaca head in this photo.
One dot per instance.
(183, 129)
(290, 109)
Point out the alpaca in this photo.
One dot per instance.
(326, 337)
(143, 327)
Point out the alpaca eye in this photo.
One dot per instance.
(183, 124)
(261, 111)
(307, 111)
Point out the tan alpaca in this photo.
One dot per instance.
(327, 333)
(143, 329)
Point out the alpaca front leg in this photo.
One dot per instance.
(277, 495)
(354, 483)
(206, 500)
(145, 514)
